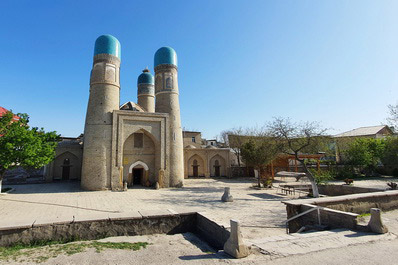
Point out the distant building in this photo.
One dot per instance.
(343, 140)
(4, 111)
(204, 160)
(376, 132)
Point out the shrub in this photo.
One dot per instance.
(322, 176)
(348, 181)
(365, 153)
(342, 172)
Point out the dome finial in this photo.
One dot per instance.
(165, 55)
(107, 44)
(145, 78)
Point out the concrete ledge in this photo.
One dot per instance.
(90, 228)
(330, 217)
(214, 234)
(339, 190)
(339, 211)
(47, 221)
(152, 213)
(344, 198)
(124, 216)
(16, 225)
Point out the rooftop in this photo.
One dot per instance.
(363, 131)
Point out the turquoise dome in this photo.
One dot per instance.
(165, 55)
(107, 44)
(145, 78)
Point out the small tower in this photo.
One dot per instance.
(146, 91)
(166, 91)
(103, 100)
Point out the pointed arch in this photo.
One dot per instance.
(145, 132)
(138, 163)
(217, 165)
(66, 153)
(144, 154)
(196, 169)
(71, 170)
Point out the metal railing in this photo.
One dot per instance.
(317, 208)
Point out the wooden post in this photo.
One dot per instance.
(295, 164)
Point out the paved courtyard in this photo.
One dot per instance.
(260, 211)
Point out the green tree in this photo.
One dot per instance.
(365, 153)
(389, 159)
(23, 146)
(259, 152)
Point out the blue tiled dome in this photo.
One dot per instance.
(165, 55)
(107, 44)
(145, 78)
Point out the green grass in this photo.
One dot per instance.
(41, 251)
(364, 214)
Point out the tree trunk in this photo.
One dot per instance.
(259, 177)
(1, 180)
(315, 191)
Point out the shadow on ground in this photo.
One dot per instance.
(267, 197)
(56, 187)
(60, 205)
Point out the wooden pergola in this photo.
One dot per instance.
(283, 162)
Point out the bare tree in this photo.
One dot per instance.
(234, 138)
(298, 138)
(393, 118)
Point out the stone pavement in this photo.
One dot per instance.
(260, 212)
(303, 243)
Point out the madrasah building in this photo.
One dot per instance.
(139, 143)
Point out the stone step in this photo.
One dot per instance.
(302, 243)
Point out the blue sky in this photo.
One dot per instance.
(240, 62)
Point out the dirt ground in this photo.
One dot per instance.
(188, 249)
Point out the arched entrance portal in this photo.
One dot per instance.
(141, 152)
(66, 166)
(196, 166)
(138, 174)
(66, 169)
(217, 166)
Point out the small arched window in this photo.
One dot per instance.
(216, 163)
(195, 162)
(66, 161)
(169, 82)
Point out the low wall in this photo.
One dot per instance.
(211, 232)
(132, 224)
(361, 203)
(334, 190)
(329, 217)
(338, 190)
(339, 211)
(100, 228)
